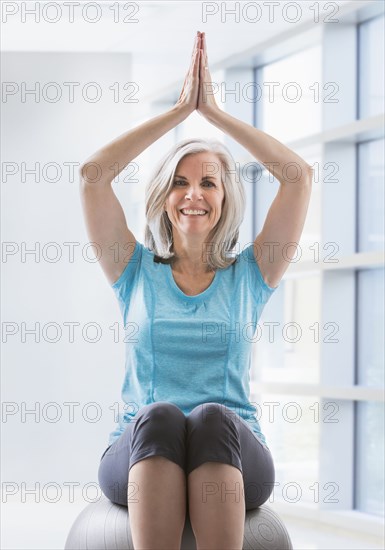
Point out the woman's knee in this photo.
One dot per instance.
(162, 410)
(161, 419)
(212, 435)
(211, 417)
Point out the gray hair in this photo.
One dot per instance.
(224, 236)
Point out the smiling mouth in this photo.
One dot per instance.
(191, 215)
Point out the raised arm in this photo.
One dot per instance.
(104, 165)
(105, 220)
(276, 244)
(122, 150)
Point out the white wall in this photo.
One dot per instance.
(37, 291)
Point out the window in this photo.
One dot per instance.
(293, 354)
(371, 67)
(370, 282)
(369, 416)
(289, 423)
(370, 196)
(370, 327)
(370, 467)
(290, 104)
(288, 349)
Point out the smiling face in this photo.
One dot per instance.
(197, 185)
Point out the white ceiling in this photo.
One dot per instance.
(161, 41)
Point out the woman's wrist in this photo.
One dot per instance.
(181, 112)
(212, 115)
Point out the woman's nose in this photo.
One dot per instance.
(194, 194)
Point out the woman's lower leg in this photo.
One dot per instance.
(217, 506)
(156, 501)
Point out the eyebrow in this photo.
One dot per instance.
(204, 177)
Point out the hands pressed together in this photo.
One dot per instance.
(197, 88)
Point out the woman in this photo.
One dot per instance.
(191, 442)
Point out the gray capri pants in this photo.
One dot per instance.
(210, 433)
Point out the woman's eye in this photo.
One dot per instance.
(176, 182)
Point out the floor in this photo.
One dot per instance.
(45, 527)
(304, 536)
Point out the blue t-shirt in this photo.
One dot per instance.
(189, 350)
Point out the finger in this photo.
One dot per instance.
(196, 48)
(196, 63)
(194, 53)
(205, 73)
(184, 84)
(191, 66)
(193, 60)
(202, 64)
(204, 47)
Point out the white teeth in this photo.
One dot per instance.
(194, 212)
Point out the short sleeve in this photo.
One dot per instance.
(260, 289)
(127, 277)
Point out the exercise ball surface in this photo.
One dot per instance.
(103, 525)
